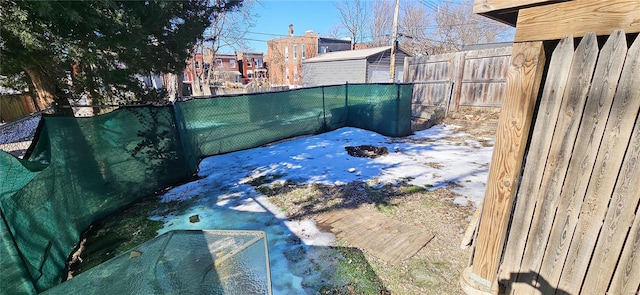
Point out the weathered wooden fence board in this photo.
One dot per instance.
(605, 173)
(626, 279)
(566, 129)
(614, 231)
(15, 106)
(594, 118)
(477, 94)
(576, 219)
(475, 78)
(524, 79)
(550, 102)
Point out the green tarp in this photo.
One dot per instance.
(79, 170)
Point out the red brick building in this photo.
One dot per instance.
(251, 67)
(226, 68)
(285, 55)
(242, 67)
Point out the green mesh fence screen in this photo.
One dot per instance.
(97, 165)
(225, 124)
(375, 108)
(79, 170)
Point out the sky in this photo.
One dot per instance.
(274, 17)
(321, 16)
(224, 199)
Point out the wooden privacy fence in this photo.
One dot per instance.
(15, 106)
(575, 223)
(450, 81)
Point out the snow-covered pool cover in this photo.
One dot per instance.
(430, 158)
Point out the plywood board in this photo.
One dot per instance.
(385, 238)
(550, 102)
(594, 118)
(523, 84)
(566, 129)
(553, 21)
(605, 173)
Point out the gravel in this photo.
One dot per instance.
(19, 131)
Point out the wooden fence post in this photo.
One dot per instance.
(523, 83)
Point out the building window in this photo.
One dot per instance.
(295, 74)
(304, 51)
(257, 63)
(295, 51)
(197, 64)
(248, 62)
(287, 74)
(219, 63)
(232, 63)
(185, 77)
(286, 53)
(323, 49)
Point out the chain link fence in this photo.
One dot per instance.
(78, 170)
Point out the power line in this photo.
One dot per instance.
(429, 5)
(267, 34)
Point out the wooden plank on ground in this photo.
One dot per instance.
(385, 238)
(523, 84)
(594, 118)
(574, 98)
(553, 21)
(626, 279)
(624, 203)
(605, 173)
(550, 102)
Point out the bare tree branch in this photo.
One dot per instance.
(382, 21)
(353, 18)
(334, 32)
(425, 27)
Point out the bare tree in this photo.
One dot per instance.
(414, 28)
(334, 32)
(227, 30)
(425, 26)
(457, 26)
(381, 23)
(353, 18)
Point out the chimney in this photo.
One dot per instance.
(291, 30)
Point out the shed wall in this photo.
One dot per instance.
(334, 72)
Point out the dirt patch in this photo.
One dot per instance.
(109, 237)
(480, 123)
(366, 151)
(435, 269)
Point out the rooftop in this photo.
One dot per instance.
(348, 54)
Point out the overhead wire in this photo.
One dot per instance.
(430, 4)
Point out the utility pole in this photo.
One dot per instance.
(394, 42)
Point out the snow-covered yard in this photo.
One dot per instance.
(226, 196)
